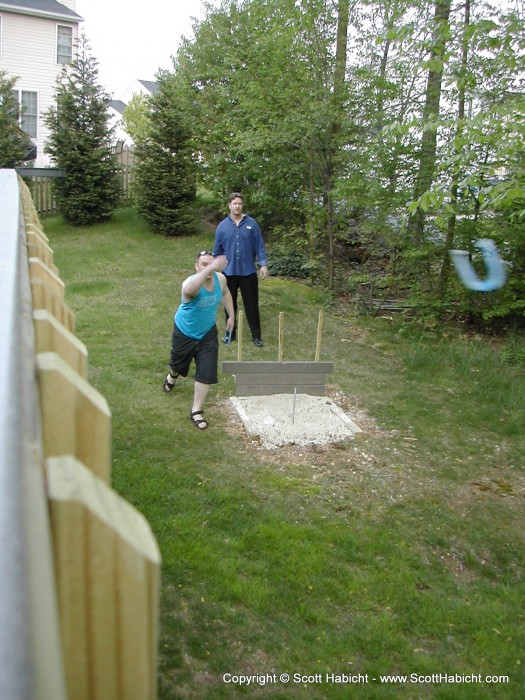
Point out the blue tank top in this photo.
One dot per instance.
(197, 316)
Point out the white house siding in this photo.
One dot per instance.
(115, 122)
(29, 46)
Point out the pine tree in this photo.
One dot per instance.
(165, 171)
(14, 143)
(80, 143)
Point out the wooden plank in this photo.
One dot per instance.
(135, 659)
(100, 543)
(240, 321)
(53, 336)
(43, 298)
(76, 419)
(36, 229)
(37, 248)
(281, 337)
(266, 378)
(269, 389)
(108, 576)
(268, 368)
(278, 379)
(356, 430)
(319, 336)
(249, 426)
(39, 271)
(68, 530)
(40, 172)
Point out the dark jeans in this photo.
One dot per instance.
(249, 287)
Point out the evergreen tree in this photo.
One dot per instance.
(165, 172)
(14, 143)
(80, 143)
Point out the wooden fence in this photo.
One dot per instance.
(41, 180)
(79, 566)
(126, 158)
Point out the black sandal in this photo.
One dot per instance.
(198, 422)
(167, 387)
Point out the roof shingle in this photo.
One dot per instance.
(44, 8)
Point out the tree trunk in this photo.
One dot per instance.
(427, 158)
(451, 225)
(311, 209)
(337, 105)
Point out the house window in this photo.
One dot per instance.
(29, 112)
(64, 45)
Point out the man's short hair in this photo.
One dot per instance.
(233, 196)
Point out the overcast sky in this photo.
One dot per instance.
(132, 44)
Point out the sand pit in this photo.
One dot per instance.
(285, 419)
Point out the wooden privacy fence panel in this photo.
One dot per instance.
(101, 561)
(31, 665)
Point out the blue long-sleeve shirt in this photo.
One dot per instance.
(242, 244)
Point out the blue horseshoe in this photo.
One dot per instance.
(496, 274)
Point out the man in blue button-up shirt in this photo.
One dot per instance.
(239, 238)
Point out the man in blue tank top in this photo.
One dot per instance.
(195, 332)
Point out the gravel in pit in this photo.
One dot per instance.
(294, 419)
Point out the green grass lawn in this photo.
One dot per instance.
(400, 553)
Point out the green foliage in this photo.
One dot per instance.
(80, 143)
(135, 117)
(209, 205)
(13, 142)
(289, 256)
(375, 556)
(165, 176)
(260, 121)
(418, 151)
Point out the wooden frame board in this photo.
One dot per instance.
(265, 378)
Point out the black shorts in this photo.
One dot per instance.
(205, 352)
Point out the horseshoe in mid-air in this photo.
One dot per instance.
(496, 273)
